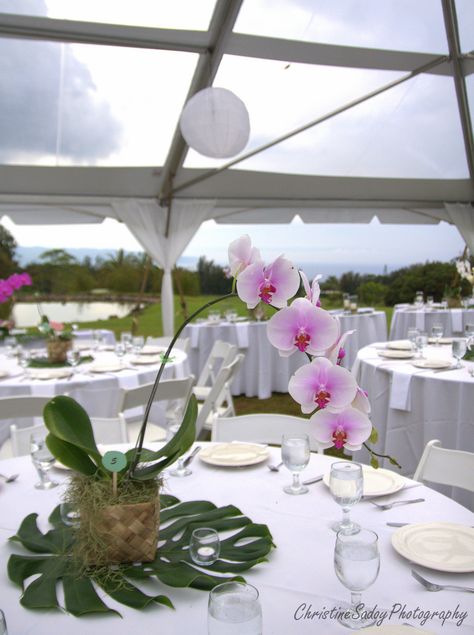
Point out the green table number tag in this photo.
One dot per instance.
(114, 461)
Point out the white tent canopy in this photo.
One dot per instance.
(380, 97)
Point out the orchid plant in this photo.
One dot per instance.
(9, 285)
(339, 408)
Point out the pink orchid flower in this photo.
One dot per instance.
(312, 292)
(242, 254)
(274, 284)
(303, 327)
(56, 326)
(361, 401)
(337, 353)
(346, 429)
(320, 384)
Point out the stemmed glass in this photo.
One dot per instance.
(412, 334)
(357, 565)
(73, 357)
(459, 348)
(346, 482)
(421, 343)
(42, 459)
(120, 351)
(234, 608)
(295, 455)
(126, 340)
(437, 332)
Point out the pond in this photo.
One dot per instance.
(27, 314)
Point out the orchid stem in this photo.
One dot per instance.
(382, 456)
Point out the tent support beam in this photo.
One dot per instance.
(311, 124)
(222, 23)
(452, 34)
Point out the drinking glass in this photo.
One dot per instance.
(24, 358)
(295, 455)
(74, 358)
(459, 348)
(346, 303)
(346, 483)
(138, 342)
(469, 331)
(421, 342)
(42, 459)
(205, 546)
(181, 469)
(3, 623)
(70, 515)
(353, 303)
(234, 608)
(10, 345)
(412, 334)
(357, 565)
(466, 302)
(126, 340)
(120, 351)
(419, 299)
(429, 301)
(437, 331)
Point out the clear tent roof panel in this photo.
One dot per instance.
(166, 14)
(370, 23)
(465, 16)
(80, 104)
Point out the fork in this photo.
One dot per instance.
(9, 479)
(385, 506)
(275, 468)
(432, 586)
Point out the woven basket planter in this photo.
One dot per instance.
(128, 533)
(57, 350)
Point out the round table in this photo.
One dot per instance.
(411, 406)
(454, 321)
(97, 392)
(263, 370)
(298, 576)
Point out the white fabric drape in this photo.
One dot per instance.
(462, 215)
(147, 222)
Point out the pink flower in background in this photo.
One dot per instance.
(346, 429)
(12, 283)
(274, 284)
(242, 254)
(337, 353)
(56, 326)
(322, 385)
(303, 327)
(312, 292)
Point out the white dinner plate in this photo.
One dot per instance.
(400, 345)
(432, 363)
(146, 359)
(392, 354)
(442, 340)
(395, 629)
(440, 546)
(3, 374)
(152, 350)
(49, 373)
(377, 482)
(234, 454)
(111, 367)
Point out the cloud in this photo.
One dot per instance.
(50, 104)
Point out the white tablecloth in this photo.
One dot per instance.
(299, 571)
(263, 370)
(453, 321)
(411, 406)
(98, 393)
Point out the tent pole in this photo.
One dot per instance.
(311, 124)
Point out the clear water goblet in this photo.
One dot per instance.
(120, 352)
(234, 607)
(295, 455)
(459, 348)
(3, 623)
(421, 342)
(357, 565)
(437, 332)
(43, 460)
(469, 332)
(205, 546)
(73, 358)
(346, 483)
(411, 335)
(126, 340)
(138, 342)
(24, 358)
(429, 301)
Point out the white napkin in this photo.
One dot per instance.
(456, 320)
(400, 390)
(242, 331)
(420, 320)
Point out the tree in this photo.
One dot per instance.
(8, 262)
(57, 258)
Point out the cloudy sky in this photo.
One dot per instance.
(90, 105)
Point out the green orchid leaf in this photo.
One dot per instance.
(374, 435)
(245, 545)
(168, 454)
(71, 456)
(68, 421)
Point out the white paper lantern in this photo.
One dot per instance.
(215, 123)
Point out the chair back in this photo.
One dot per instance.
(168, 389)
(261, 428)
(22, 406)
(222, 354)
(446, 467)
(183, 343)
(217, 394)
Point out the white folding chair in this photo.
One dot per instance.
(446, 467)
(216, 403)
(261, 428)
(182, 343)
(222, 354)
(106, 431)
(24, 407)
(174, 391)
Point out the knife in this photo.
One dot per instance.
(189, 458)
(316, 479)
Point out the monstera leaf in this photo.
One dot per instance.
(246, 544)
